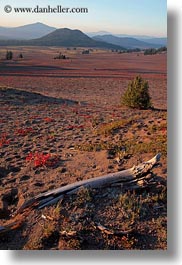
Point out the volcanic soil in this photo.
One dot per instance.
(62, 121)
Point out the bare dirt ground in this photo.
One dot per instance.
(61, 121)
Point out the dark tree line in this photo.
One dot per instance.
(153, 51)
(9, 55)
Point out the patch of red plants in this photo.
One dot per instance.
(4, 140)
(48, 119)
(41, 159)
(24, 132)
(164, 130)
(34, 117)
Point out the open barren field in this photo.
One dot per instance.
(62, 121)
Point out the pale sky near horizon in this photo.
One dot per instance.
(136, 17)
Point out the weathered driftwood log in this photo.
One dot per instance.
(128, 176)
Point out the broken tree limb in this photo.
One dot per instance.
(113, 231)
(51, 197)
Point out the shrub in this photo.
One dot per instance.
(137, 94)
(9, 55)
(20, 56)
(150, 51)
(61, 56)
(86, 52)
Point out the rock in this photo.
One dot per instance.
(24, 178)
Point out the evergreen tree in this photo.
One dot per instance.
(9, 55)
(20, 55)
(137, 94)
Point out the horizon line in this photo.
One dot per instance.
(87, 32)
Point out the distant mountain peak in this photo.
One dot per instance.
(30, 31)
(38, 23)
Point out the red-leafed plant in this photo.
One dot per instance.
(40, 159)
(48, 119)
(4, 140)
(24, 132)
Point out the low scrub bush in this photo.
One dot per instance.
(137, 94)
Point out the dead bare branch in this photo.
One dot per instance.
(132, 178)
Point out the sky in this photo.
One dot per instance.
(133, 17)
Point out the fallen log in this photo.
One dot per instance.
(112, 231)
(126, 177)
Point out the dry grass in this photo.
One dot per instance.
(112, 127)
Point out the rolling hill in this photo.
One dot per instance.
(72, 38)
(127, 42)
(63, 37)
(158, 41)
